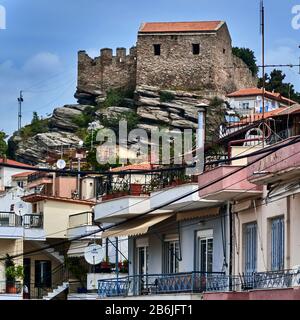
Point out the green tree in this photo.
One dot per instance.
(3, 144)
(248, 56)
(275, 81)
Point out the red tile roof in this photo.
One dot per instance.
(197, 26)
(258, 92)
(32, 198)
(136, 167)
(23, 174)
(14, 163)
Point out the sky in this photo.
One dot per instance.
(38, 48)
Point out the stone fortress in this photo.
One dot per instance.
(186, 56)
(192, 59)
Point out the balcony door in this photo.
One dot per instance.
(277, 244)
(250, 238)
(205, 243)
(171, 255)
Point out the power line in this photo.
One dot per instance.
(137, 217)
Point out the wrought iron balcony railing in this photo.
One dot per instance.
(196, 282)
(10, 219)
(137, 184)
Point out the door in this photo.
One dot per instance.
(171, 259)
(205, 251)
(43, 276)
(277, 244)
(142, 268)
(250, 238)
(27, 277)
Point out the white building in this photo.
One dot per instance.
(250, 100)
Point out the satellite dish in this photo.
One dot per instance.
(21, 208)
(80, 143)
(93, 254)
(61, 164)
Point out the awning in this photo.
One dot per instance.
(135, 227)
(242, 206)
(77, 248)
(203, 213)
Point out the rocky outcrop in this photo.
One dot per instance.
(155, 109)
(63, 118)
(37, 149)
(179, 111)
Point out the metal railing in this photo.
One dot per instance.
(10, 287)
(196, 282)
(149, 284)
(136, 184)
(58, 276)
(81, 219)
(10, 219)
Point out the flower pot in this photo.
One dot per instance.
(136, 189)
(11, 288)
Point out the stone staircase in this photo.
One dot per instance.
(58, 290)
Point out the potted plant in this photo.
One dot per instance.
(105, 266)
(12, 274)
(136, 189)
(124, 268)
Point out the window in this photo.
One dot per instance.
(205, 249)
(245, 105)
(277, 244)
(196, 48)
(224, 51)
(171, 256)
(20, 184)
(250, 239)
(43, 276)
(156, 49)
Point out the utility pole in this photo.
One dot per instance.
(262, 13)
(20, 100)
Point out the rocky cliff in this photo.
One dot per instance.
(151, 107)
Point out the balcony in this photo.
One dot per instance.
(81, 224)
(131, 194)
(11, 226)
(234, 187)
(39, 178)
(196, 282)
(283, 164)
(191, 202)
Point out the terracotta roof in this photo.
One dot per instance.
(38, 197)
(141, 166)
(14, 163)
(196, 26)
(274, 113)
(258, 92)
(23, 174)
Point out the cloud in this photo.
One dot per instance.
(43, 62)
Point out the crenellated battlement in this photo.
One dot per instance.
(107, 71)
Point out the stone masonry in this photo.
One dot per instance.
(214, 71)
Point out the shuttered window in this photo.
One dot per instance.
(250, 238)
(277, 244)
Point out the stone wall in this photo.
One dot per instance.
(98, 75)
(213, 70)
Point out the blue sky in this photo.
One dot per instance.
(39, 46)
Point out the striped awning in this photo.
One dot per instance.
(77, 248)
(135, 227)
(203, 213)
